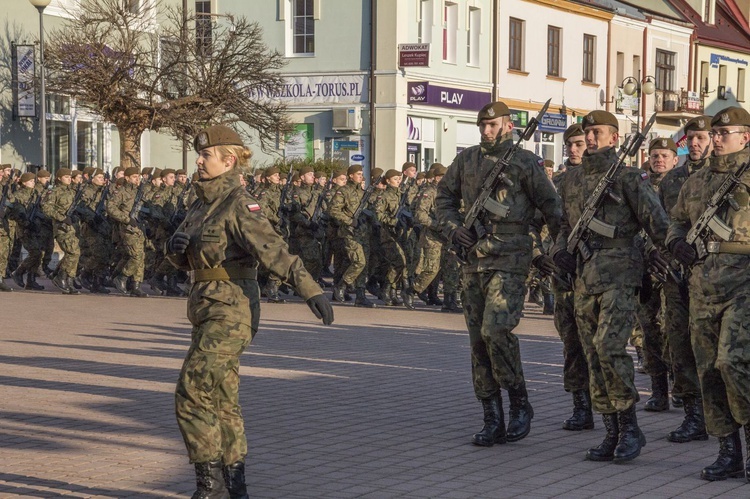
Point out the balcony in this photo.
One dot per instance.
(683, 102)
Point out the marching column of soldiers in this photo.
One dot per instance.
(663, 250)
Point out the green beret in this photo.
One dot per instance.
(407, 165)
(217, 135)
(43, 174)
(271, 171)
(731, 116)
(662, 143)
(180, 172)
(5, 166)
(429, 175)
(699, 124)
(339, 172)
(354, 169)
(573, 130)
(492, 110)
(26, 177)
(133, 170)
(421, 175)
(120, 181)
(375, 173)
(156, 172)
(97, 171)
(167, 171)
(306, 169)
(390, 173)
(600, 118)
(62, 172)
(440, 170)
(147, 170)
(320, 173)
(435, 165)
(76, 173)
(88, 170)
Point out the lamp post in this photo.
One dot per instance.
(638, 87)
(40, 6)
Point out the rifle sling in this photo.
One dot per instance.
(725, 247)
(597, 243)
(224, 274)
(507, 228)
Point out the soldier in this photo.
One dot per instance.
(497, 266)
(386, 207)
(575, 370)
(46, 236)
(96, 231)
(719, 291)
(269, 199)
(57, 207)
(305, 238)
(606, 284)
(26, 211)
(131, 236)
(338, 252)
(224, 308)
(7, 225)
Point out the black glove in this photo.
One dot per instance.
(544, 264)
(464, 237)
(657, 261)
(312, 226)
(684, 252)
(133, 222)
(565, 262)
(178, 243)
(322, 309)
(68, 221)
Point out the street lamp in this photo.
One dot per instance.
(633, 86)
(40, 6)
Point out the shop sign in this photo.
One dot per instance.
(718, 58)
(519, 118)
(338, 89)
(414, 55)
(553, 122)
(425, 93)
(299, 143)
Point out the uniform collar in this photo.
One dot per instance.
(729, 162)
(219, 187)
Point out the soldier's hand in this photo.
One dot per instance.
(133, 222)
(178, 243)
(312, 225)
(322, 309)
(68, 221)
(565, 262)
(656, 260)
(684, 252)
(463, 236)
(544, 264)
(355, 223)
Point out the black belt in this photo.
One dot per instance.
(224, 274)
(605, 243)
(507, 228)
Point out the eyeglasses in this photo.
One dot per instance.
(723, 133)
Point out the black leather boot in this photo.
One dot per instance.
(407, 294)
(693, 427)
(493, 431)
(31, 282)
(18, 278)
(433, 295)
(582, 418)
(173, 289)
(74, 288)
(659, 400)
(729, 463)
(137, 291)
(4, 287)
(121, 283)
(61, 282)
(387, 294)
(209, 479)
(361, 300)
(520, 413)
(234, 477)
(605, 451)
(338, 292)
(631, 438)
(97, 285)
(450, 304)
(549, 304)
(157, 284)
(273, 293)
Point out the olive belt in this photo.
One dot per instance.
(224, 274)
(723, 247)
(605, 243)
(507, 228)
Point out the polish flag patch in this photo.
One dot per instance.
(253, 207)
(644, 175)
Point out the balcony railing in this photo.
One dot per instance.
(675, 102)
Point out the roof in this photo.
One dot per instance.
(730, 31)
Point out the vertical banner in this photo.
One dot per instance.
(299, 143)
(25, 90)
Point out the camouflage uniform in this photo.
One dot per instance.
(131, 239)
(268, 199)
(228, 231)
(356, 240)
(386, 206)
(7, 232)
(305, 239)
(55, 206)
(720, 297)
(430, 238)
(495, 274)
(96, 231)
(606, 285)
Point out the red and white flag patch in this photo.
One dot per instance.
(644, 175)
(253, 207)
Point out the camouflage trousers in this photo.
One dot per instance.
(309, 249)
(493, 302)
(207, 402)
(412, 251)
(67, 239)
(48, 242)
(132, 242)
(96, 252)
(605, 322)
(393, 255)
(677, 332)
(655, 349)
(357, 254)
(720, 335)
(33, 245)
(7, 238)
(575, 370)
(429, 262)
(451, 271)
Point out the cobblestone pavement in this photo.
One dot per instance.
(379, 405)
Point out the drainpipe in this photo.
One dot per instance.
(372, 93)
(495, 35)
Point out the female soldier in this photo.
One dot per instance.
(222, 239)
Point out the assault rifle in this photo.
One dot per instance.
(587, 223)
(362, 207)
(318, 211)
(709, 223)
(179, 214)
(283, 212)
(484, 202)
(73, 208)
(6, 192)
(33, 211)
(404, 216)
(135, 211)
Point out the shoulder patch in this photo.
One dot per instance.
(253, 207)
(644, 175)
(540, 161)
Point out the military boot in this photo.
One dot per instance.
(433, 295)
(31, 282)
(273, 293)
(121, 283)
(549, 304)
(582, 418)
(407, 294)
(631, 438)
(4, 287)
(729, 462)
(397, 302)
(387, 293)
(234, 477)
(86, 279)
(374, 288)
(693, 427)
(173, 289)
(61, 282)
(74, 288)
(450, 304)
(361, 300)
(535, 294)
(639, 367)
(157, 284)
(520, 413)
(493, 431)
(605, 451)
(659, 400)
(425, 297)
(338, 292)
(18, 278)
(97, 285)
(137, 291)
(209, 478)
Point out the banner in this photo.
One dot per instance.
(333, 89)
(25, 90)
(299, 143)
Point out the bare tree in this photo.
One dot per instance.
(161, 69)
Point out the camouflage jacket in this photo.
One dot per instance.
(269, 198)
(670, 186)
(720, 275)
(424, 209)
(409, 185)
(530, 189)
(57, 204)
(302, 201)
(121, 202)
(343, 205)
(227, 228)
(620, 266)
(20, 202)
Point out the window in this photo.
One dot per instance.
(450, 28)
(703, 84)
(620, 74)
(553, 51)
(740, 85)
(665, 70)
(472, 38)
(425, 21)
(203, 26)
(589, 56)
(303, 27)
(515, 45)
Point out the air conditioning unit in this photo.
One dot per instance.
(347, 119)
